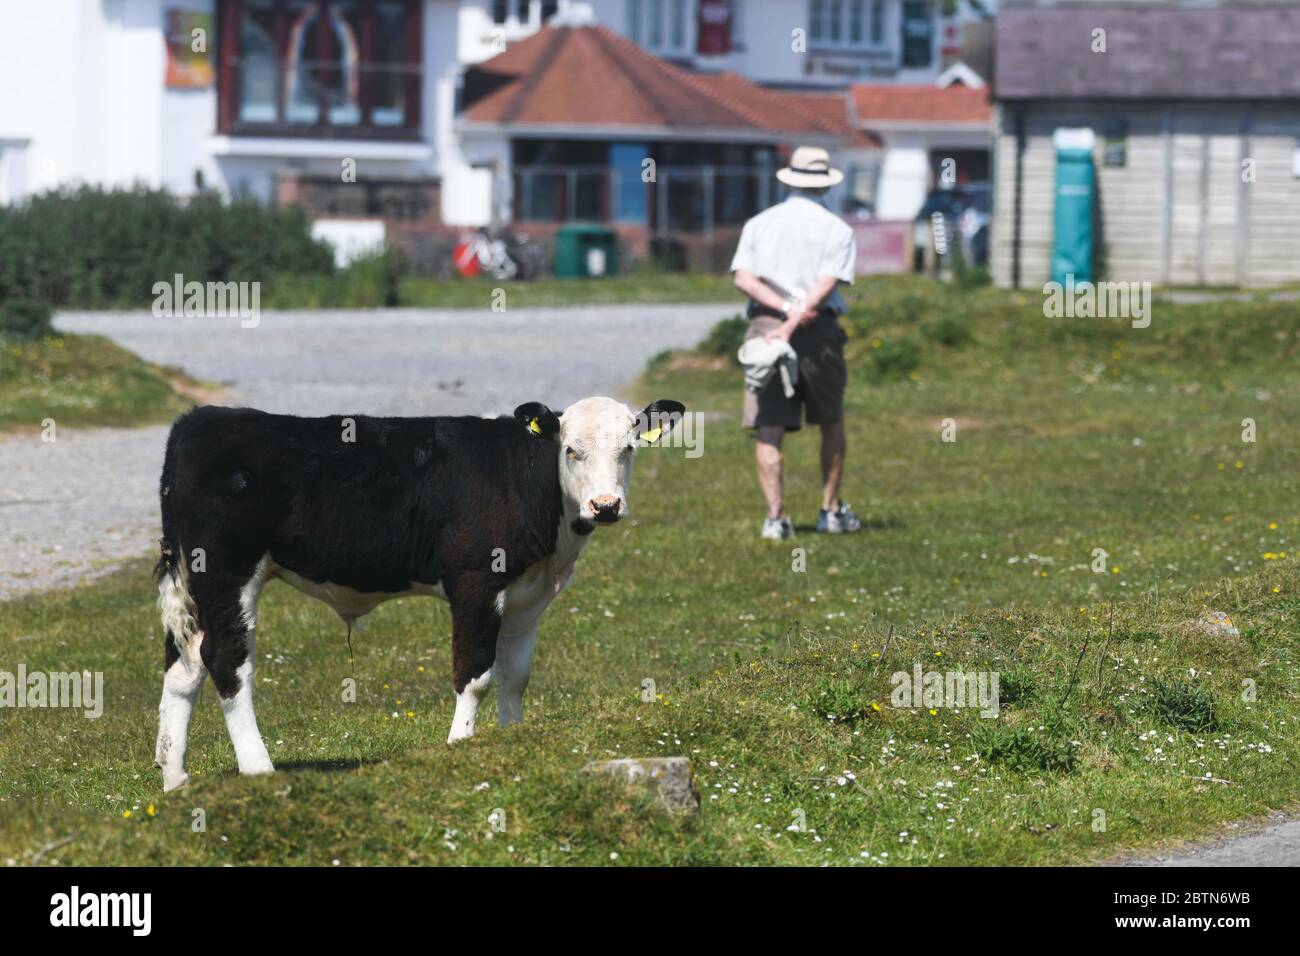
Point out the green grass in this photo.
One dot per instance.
(84, 380)
(370, 283)
(978, 557)
(643, 287)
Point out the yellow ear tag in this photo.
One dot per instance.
(533, 427)
(653, 434)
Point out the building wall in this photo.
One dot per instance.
(763, 39)
(1178, 212)
(77, 103)
(83, 88)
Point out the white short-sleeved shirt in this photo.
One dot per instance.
(793, 244)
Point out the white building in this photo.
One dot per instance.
(237, 95)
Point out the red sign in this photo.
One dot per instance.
(714, 28)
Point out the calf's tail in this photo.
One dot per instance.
(175, 604)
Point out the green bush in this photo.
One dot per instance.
(838, 701)
(1016, 686)
(1186, 705)
(896, 357)
(93, 248)
(25, 319)
(976, 277)
(368, 282)
(947, 331)
(725, 337)
(1023, 750)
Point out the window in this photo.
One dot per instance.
(698, 186)
(844, 24)
(522, 10)
(305, 67)
(1114, 151)
(738, 24)
(634, 15)
(918, 35)
(817, 20)
(660, 25)
(862, 180)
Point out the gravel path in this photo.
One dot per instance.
(1276, 843)
(84, 503)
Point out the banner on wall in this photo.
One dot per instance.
(714, 30)
(189, 44)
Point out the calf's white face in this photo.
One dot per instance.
(598, 440)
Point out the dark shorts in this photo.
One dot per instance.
(819, 395)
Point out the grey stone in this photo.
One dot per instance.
(671, 779)
(1215, 624)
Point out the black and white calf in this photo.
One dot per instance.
(490, 514)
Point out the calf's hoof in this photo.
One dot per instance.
(174, 780)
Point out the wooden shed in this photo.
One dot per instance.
(1196, 114)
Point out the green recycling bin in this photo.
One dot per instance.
(585, 251)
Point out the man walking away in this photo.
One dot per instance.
(790, 262)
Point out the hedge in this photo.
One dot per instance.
(92, 248)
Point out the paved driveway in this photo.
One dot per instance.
(84, 503)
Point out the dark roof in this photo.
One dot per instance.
(1233, 53)
(570, 77)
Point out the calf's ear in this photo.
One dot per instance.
(657, 419)
(538, 419)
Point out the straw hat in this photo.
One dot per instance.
(810, 168)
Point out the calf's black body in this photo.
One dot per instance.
(375, 505)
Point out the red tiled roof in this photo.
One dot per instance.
(898, 103)
(834, 108)
(591, 76)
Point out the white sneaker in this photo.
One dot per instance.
(778, 529)
(838, 522)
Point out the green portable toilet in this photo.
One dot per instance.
(585, 251)
(1075, 194)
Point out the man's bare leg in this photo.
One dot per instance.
(767, 453)
(834, 445)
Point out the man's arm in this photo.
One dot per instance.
(801, 313)
(758, 290)
(820, 292)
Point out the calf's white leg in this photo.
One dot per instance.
(181, 685)
(513, 667)
(467, 701)
(182, 681)
(241, 722)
